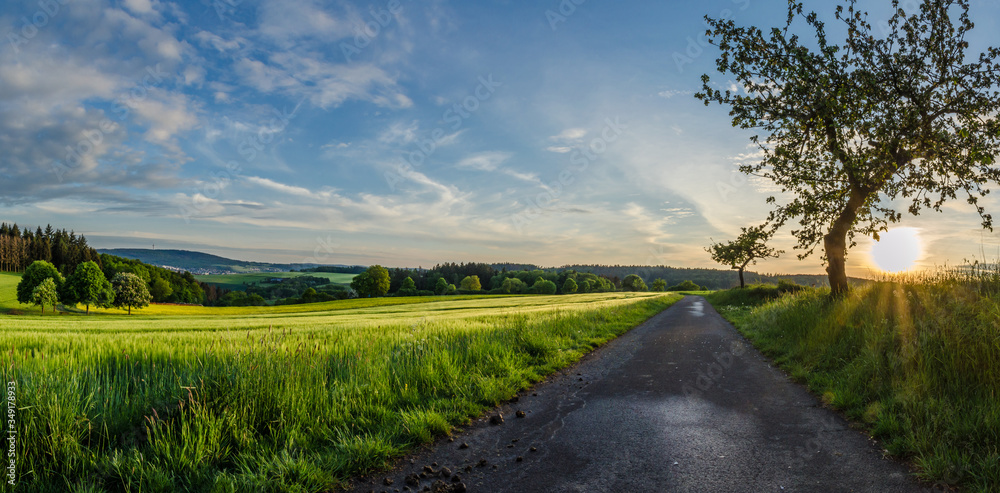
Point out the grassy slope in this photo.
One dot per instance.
(8, 291)
(235, 281)
(919, 365)
(271, 401)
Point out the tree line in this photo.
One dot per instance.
(63, 249)
(479, 278)
(42, 284)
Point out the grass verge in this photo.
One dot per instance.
(294, 403)
(917, 363)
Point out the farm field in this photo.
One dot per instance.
(239, 281)
(260, 399)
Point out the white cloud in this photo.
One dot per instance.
(485, 161)
(570, 134)
(324, 84)
(208, 39)
(167, 114)
(141, 8)
(157, 43)
(400, 133)
(559, 149)
(284, 21)
(669, 93)
(289, 189)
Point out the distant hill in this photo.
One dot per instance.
(198, 262)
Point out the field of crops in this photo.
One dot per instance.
(239, 281)
(259, 399)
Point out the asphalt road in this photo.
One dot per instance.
(681, 403)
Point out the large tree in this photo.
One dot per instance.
(373, 282)
(746, 249)
(856, 132)
(88, 285)
(34, 275)
(130, 291)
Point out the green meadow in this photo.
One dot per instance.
(915, 361)
(298, 398)
(240, 281)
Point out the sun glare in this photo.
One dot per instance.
(897, 249)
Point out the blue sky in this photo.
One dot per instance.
(396, 132)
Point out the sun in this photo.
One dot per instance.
(897, 249)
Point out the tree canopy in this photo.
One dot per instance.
(45, 294)
(569, 287)
(633, 282)
(88, 285)
(38, 271)
(854, 132)
(130, 291)
(471, 283)
(373, 282)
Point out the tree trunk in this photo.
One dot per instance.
(835, 243)
(742, 285)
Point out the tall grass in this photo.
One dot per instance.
(294, 402)
(915, 358)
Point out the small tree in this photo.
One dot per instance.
(856, 131)
(633, 282)
(659, 285)
(569, 287)
(408, 287)
(512, 285)
(441, 287)
(686, 286)
(37, 272)
(747, 248)
(471, 283)
(88, 285)
(130, 291)
(543, 286)
(45, 294)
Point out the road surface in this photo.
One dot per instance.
(681, 403)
